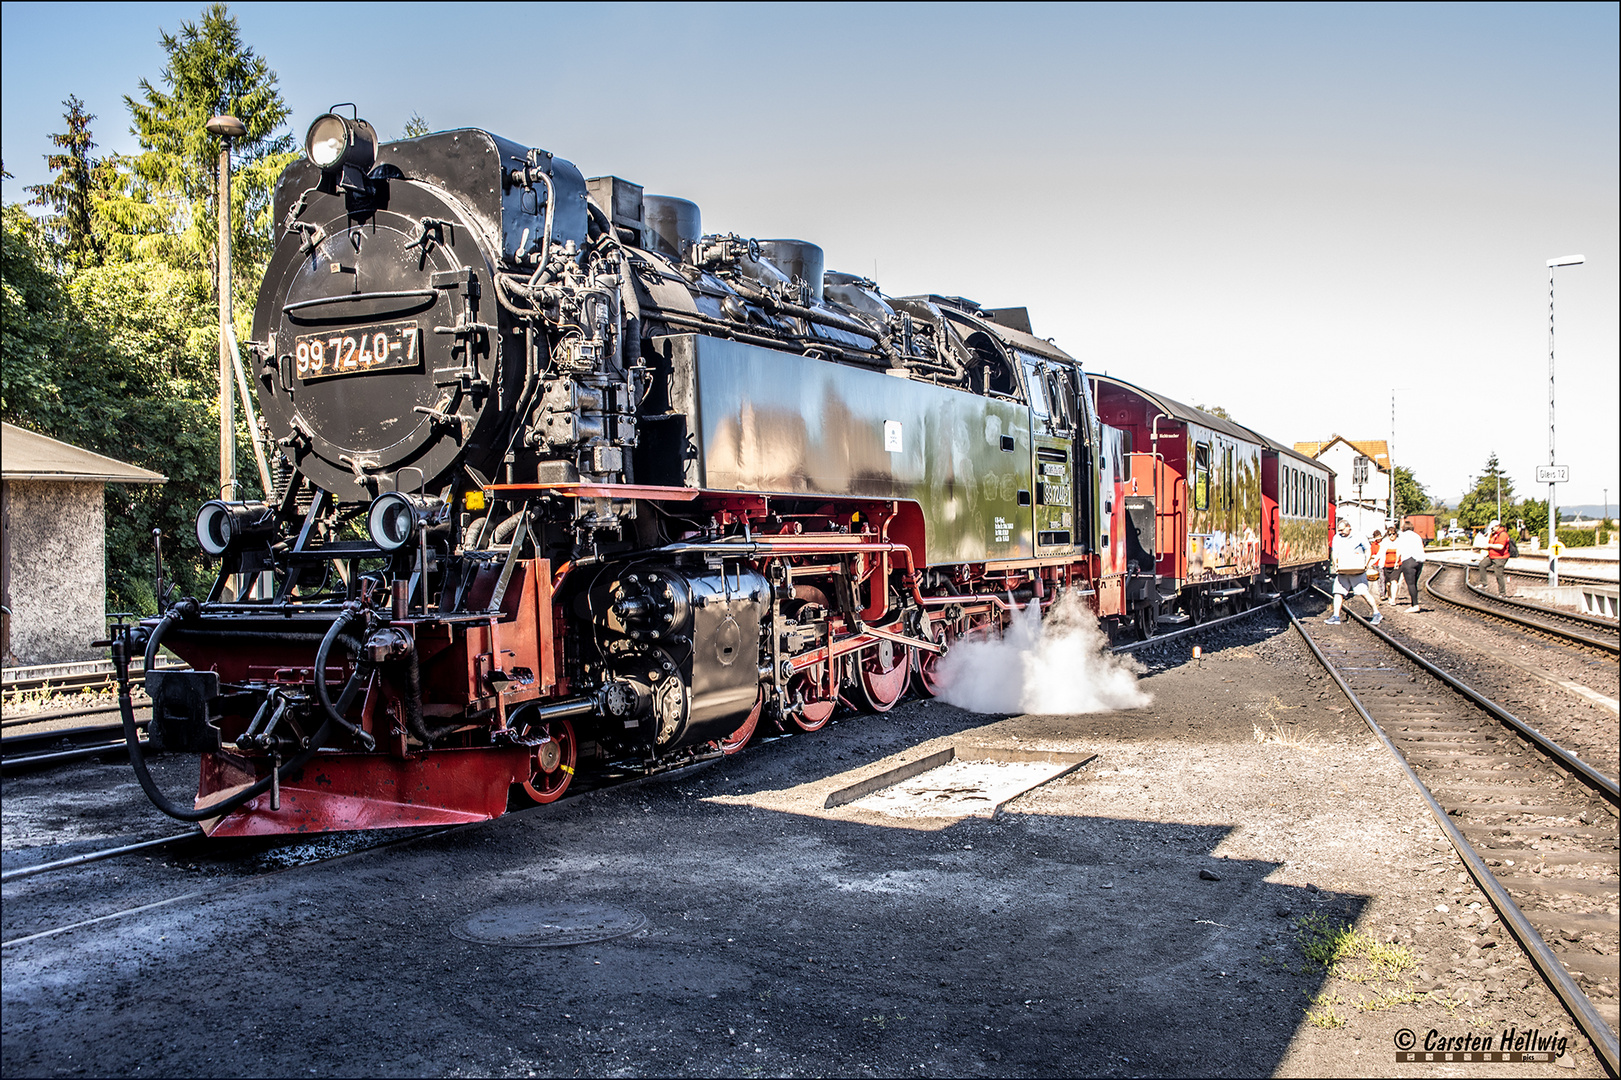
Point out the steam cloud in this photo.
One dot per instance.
(1055, 666)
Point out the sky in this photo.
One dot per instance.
(1298, 212)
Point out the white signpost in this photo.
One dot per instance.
(1553, 474)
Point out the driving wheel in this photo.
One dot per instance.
(926, 665)
(881, 674)
(815, 702)
(738, 739)
(552, 761)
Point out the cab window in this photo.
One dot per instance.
(1201, 476)
(1038, 389)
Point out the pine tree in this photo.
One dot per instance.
(70, 192)
(210, 71)
(415, 127)
(1480, 505)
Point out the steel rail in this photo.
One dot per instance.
(1605, 785)
(1186, 630)
(1581, 618)
(28, 719)
(1547, 962)
(1613, 647)
(97, 856)
(21, 762)
(21, 744)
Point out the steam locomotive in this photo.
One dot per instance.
(563, 481)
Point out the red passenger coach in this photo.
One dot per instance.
(1297, 493)
(1235, 514)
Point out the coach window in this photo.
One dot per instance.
(1201, 476)
(1288, 491)
(1227, 476)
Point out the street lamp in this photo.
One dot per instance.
(227, 128)
(1553, 509)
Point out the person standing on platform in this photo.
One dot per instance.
(1349, 555)
(1410, 556)
(1496, 556)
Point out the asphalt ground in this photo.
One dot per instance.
(1159, 911)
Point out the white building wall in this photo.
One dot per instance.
(1367, 507)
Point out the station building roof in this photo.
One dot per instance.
(1376, 450)
(28, 455)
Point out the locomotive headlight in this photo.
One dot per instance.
(396, 518)
(327, 141)
(222, 525)
(339, 142)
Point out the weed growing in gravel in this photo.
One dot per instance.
(1300, 740)
(1336, 948)
(1348, 953)
(1389, 999)
(1320, 1013)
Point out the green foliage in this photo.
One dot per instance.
(415, 127)
(118, 352)
(70, 193)
(1480, 505)
(209, 72)
(118, 359)
(1215, 410)
(1575, 538)
(1411, 497)
(1534, 512)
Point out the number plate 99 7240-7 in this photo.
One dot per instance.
(354, 352)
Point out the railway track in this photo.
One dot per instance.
(1536, 826)
(1566, 627)
(45, 747)
(90, 676)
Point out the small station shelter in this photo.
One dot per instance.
(53, 545)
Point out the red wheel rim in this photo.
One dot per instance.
(553, 761)
(738, 739)
(882, 686)
(926, 665)
(815, 706)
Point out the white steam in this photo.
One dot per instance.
(1056, 666)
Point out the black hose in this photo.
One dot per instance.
(323, 696)
(137, 757)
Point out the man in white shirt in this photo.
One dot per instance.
(1410, 558)
(1350, 558)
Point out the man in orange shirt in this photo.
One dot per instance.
(1496, 555)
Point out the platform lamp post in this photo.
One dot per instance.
(227, 128)
(1553, 509)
